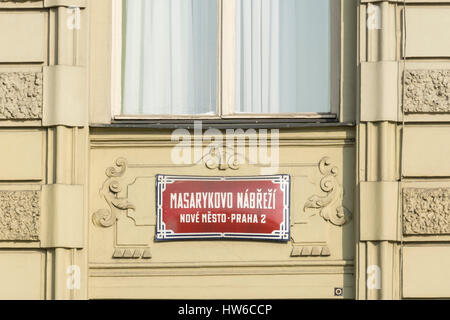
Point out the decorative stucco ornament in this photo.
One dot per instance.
(330, 205)
(427, 91)
(21, 95)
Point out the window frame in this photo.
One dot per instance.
(225, 107)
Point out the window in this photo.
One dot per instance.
(226, 58)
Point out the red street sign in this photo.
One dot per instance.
(253, 208)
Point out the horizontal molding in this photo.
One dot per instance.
(313, 136)
(58, 96)
(379, 91)
(23, 36)
(45, 3)
(425, 272)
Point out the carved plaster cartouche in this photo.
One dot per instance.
(330, 205)
(21, 95)
(426, 211)
(427, 91)
(19, 215)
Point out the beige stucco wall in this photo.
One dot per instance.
(386, 162)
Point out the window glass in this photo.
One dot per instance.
(282, 56)
(169, 57)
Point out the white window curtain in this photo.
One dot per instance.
(282, 56)
(170, 57)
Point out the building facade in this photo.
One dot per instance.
(369, 181)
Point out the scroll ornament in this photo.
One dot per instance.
(330, 205)
(132, 253)
(110, 192)
(219, 157)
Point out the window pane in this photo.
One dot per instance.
(283, 56)
(170, 57)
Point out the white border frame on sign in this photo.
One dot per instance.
(282, 235)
